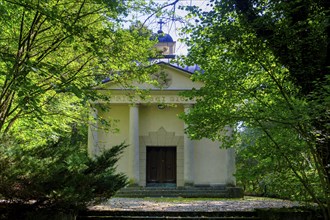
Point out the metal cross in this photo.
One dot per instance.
(161, 24)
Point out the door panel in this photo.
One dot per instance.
(161, 164)
(170, 165)
(153, 165)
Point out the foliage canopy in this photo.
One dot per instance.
(266, 73)
(52, 54)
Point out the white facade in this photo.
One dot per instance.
(159, 151)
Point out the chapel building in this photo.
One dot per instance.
(160, 153)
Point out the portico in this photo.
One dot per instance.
(159, 139)
(162, 139)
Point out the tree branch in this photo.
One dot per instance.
(158, 10)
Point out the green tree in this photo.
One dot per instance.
(266, 64)
(268, 171)
(50, 49)
(52, 55)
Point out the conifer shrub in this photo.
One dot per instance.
(58, 175)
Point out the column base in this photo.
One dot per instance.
(188, 184)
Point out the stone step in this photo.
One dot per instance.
(164, 217)
(184, 195)
(178, 188)
(173, 190)
(247, 215)
(135, 192)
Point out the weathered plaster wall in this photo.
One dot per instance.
(152, 118)
(210, 163)
(118, 117)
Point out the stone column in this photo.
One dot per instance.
(231, 168)
(93, 142)
(134, 142)
(188, 152)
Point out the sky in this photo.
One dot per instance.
(173, 26)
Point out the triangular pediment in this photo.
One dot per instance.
(169, 77)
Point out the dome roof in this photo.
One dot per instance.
(162, 37)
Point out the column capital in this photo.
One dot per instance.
(134, 105)
(187, 108)
(188, 105)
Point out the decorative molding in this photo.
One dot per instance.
(161, 138)
(166, 99)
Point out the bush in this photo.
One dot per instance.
(58, 175)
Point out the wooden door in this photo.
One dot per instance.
(161, 164)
